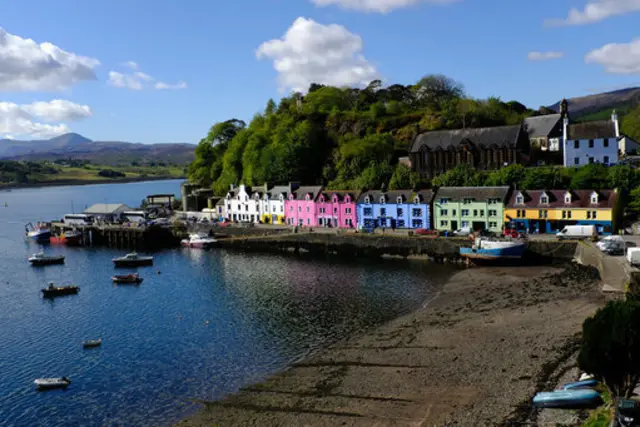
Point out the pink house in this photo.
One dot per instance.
(300, 206)
(337, 209)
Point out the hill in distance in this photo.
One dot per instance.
(599, 106)
(73, 145)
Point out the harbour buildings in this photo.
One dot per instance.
(395, 209)
(474, 208)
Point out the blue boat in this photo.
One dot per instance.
(580, 384)
(568, 399)
(494, 249)
(40, 233)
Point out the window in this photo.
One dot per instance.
(594, 198)
(307, 209)
(368, 211)
(481, 213)
(383, 212)
(493, 213)
(400, 211)
(416, 223)
(465, 224)
(493, 225)
(566, 214)
(444, 223)
(576, 161)
(605, 160)
(544, 199)
(347, 211)
(591, 143)
(321, 210)
(416, 212)
(467, 201)
(282, 208)
(523, 213)
(593, 214)
(492, 202)
(335, 210)
(416, 201)
(475, 212)
(567, 198)
(543, 214)
(382, 200)
(591, 160)
(454, 212)
(299, 208)
(290, 208)
(588, 214)
(465, 212)
(367, 199)
(576, 144)
(399, 200)
(519, 199)
(401, 223)
(274, 209)
(605, 143)
(444, 212)
(308, 221)
(444, 201)
(228, 207)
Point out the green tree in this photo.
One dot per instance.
(631, 124)
(590, 176)
(461, 175)
(433, 90)
(611, 346)
(510, 175)
(403, 178)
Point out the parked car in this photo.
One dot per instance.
(426, 232)
(607, 241)
(514, 234)
(462, 232)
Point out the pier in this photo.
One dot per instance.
(122, 236)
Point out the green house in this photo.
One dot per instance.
(476, 208)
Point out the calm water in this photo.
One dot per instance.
(210, 323)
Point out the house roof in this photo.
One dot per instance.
(106, 208)
(314, 190)
(541, 126)
(276, 191)
(341, 194)
(592, 130)
(579, 199)
(456, 194)
(444, 139)
(220, 202)
(392, 196)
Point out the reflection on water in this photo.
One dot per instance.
(208, 324)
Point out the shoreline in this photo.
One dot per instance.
(79, 182)
(475, 354)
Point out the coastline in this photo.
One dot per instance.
(474, 355)
(77, 182)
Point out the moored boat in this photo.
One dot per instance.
(134, 279)
(41, 233)
(51, 383)
(42, 259)
(199, 240)
(581, 384)
(54, 291)
(70, 238)
(92, 343)
(581, 398)
(490, 249)
(132, 260)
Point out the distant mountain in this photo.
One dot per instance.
(599, 106)
(105, 152)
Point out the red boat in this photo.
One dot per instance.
(71, 238)
(133, 279)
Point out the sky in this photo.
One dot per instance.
(165, 70)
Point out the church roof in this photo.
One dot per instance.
(444, 139)
(542, 126)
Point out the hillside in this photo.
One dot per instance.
(103, 152)
(599, 106)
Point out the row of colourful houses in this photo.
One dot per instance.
(447, 209)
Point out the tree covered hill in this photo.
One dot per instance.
(341, 137)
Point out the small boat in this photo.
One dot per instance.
(42, 259)
(51, 383)
(92, 343)
(70, 238)
(54, 291)
(199, 240)
(132, 260)
(493, 249)
(586, 376)
(580, 398)
(127, 279)
(580, 384)
(40, 233)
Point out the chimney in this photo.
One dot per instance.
(614, 119)
(266, 186)
(233, 187)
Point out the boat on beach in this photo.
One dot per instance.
(42, 259)
(484, 248)
(579, 398)
(132, 260)
(51, 383)
(199, 240)
(92, 343)
(127, 279)
(55, 291)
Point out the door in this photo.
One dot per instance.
(454, 225)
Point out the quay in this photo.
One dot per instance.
(122, 236)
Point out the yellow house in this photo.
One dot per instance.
(549, 211)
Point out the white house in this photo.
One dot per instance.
(238, 201)
(591, 142)
(273, 203)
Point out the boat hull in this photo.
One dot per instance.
(126, 281)
(50, 384)
(567, 399)
(92, 343)
(39, 236)
(507, 252)
(132, 263)
(57, 292)
(47, 261)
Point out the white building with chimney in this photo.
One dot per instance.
(591, 142)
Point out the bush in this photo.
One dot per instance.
(110, 173)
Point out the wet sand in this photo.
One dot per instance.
(474, 356)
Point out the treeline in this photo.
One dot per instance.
(342, 137)
(20, 172)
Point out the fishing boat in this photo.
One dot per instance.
(42, 259)
(132, 260)
(40, 233)
(581, 398)
(51, 383)
(127, 279)
(199, 240)
(493, 249)
(70, 238)
(92, 343)
(55, 291)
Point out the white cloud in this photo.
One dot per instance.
(379, 6)
(544, 56)
(617, 58)
(139, 80)
(21, 120)
(597, 10)
(29, 66)
(314, 53)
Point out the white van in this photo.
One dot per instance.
(633, 256)
(577, 232)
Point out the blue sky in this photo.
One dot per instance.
(199, 62)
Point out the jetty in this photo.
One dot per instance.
(121, 236)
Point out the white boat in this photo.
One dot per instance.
(40, 233)
(92, 343)
(484, 248)
(132, 260)
(51, 383)
(199, 240)
(42, 259)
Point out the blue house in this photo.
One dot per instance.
(394, 209)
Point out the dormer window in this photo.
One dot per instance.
(594, 198)
(382, 200)
(367, 199)
(567, 198)
(347, 199)
(520, 199)
(544, 199)
(416, 200)
(335, 199)
(307, 198)
(399, 200)
(321, 200)
(467, 201)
